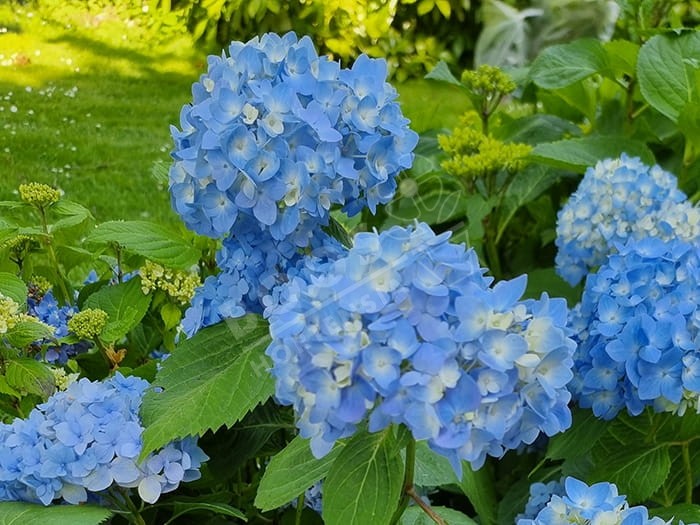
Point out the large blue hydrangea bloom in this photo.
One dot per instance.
(83, 441)
(405, 328)
(277, 133)
(617, 200)
(573, 501)
(638, 327)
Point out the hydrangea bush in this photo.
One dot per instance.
(307, 353)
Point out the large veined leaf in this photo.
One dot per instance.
(668, 68)
(364, 483)
(478, 486)
(150, 240)
(565, 64)
(432, 469)
(290, 472)
(26, 332)
(580, 153)
(210, 380)
(30, 376)
(416, 516)
(586, 429)
(15, 513)
(13, 287)
(125, 304)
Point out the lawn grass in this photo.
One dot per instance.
(86, 100)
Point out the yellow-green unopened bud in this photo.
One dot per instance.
(488, 81)
(89, 323)
(179, 285)
(63, 380)
(41, 284)
(38, 194)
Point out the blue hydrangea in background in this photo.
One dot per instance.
(405, 328)
(573, 501)
(619, 199)
(638, 327)
(83, 441)
(279, 134)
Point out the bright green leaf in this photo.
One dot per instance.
(30, 376)
(125, 304)
(478, 486)
(432, 469)
(15, 513)
(26, 332)
(180, 508)
(364, 483)
(416, 516)
(637, 471)
(290, 472)
(71, 213)
(210, 380)
(586, 429)
(622, 55)
(442, 72)
(565, 64)
(667, 69)
(13, 287)
(683, 511)
(581, 153)
(150, 240)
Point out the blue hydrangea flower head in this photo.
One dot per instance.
(617, 200)
(637, 327)
(279, 134)
(405, 328)
(83, 441)
(252, 263)
(573, 501)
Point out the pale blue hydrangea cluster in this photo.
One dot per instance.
(405, 328)
(576, 502)
(638, 329)
(617, 200)
(252, 264)
(86, 439)
(280, 134)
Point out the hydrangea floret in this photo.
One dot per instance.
(84, 441)
(637, 327)
(279, 134)
(617, 200)
(406, 328)
(573, 501)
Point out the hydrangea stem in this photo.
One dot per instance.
(52, 255)
(409, 491)
(688, 470)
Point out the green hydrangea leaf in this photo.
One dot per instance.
(155, 242)
(364, 483)
(580, 153)
(125, 305)
(31, 376)
(210, 380)
(15, 513)
(290, 472)
(13, 287)
(25, 332)
(668, 69)
(416, 516)
(565, 64)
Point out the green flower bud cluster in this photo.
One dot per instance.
(88, 323)
(474, 155)
(488, 82)
(40, 284)
(178, 285)
(11, 314)
(62, 379)
(38, 194)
